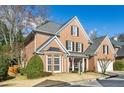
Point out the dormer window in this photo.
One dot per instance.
(74, 31)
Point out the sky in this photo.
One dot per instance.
(106, 20)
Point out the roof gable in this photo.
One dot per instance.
(92, 49)
(45, 44)
(96, 43)
(66, 24)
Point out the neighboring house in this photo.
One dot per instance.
(67, 47)
(119, 48)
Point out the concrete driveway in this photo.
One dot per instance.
(64, 78)
(111, 82)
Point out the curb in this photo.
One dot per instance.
(107, 77)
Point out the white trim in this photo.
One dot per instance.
(60, 70)
(87, 64)
(71, 46)
(85, 34)
(57, 41)
(45, 44)
(61, 45)
(47, 63)
(52, 64)
(109, 43)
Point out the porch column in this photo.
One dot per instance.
(82, 64)
(52, 64)
(87, 64)
(68, 65)
(72, 63)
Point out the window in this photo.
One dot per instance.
(49, 63)
(74, 31)
(105, 49)
(69, 45)
(78, 47)
(56, 63)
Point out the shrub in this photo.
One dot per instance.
(22, 71)
(118, 65)
(4, 65)
(34, 67)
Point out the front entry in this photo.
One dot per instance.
(75, 64)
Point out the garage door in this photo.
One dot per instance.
(109, 68)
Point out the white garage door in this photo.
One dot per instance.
(109, 68)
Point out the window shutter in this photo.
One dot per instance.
(73, 46)
(76, 46)
(71, 30)
(67, 44)
(103, 49)
(82, 47)
(107, 49)
(77, 31)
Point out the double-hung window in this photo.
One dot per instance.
(105, 49)
(78, 47)
(57, 63)
(74, 31)
(49, 63)
(69, 45)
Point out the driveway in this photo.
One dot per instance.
(62, 79)
(111, 82)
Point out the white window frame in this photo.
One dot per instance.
(78, 43)
(106, 49)
(49, 56)
(52, 63)
(71, 46)
(74, 28)
(57, 64)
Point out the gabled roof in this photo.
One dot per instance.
(115, 43)
(68, 22)
(45, 44)
(55, 28)
(96, 43)
(48, 27)
(120, 52)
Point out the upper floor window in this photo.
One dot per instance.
(78, 47)
(105, 49)
(69, 45)
(74, 31)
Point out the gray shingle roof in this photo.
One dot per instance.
(115, 43)
(48, 27)
(96, 43)
(120, 52)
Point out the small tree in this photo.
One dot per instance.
(34, 67)
(4, 65)
(104, 63)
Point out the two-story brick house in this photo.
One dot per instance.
(67, 47)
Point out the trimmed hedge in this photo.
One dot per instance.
(34, 67)
(118, 65)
